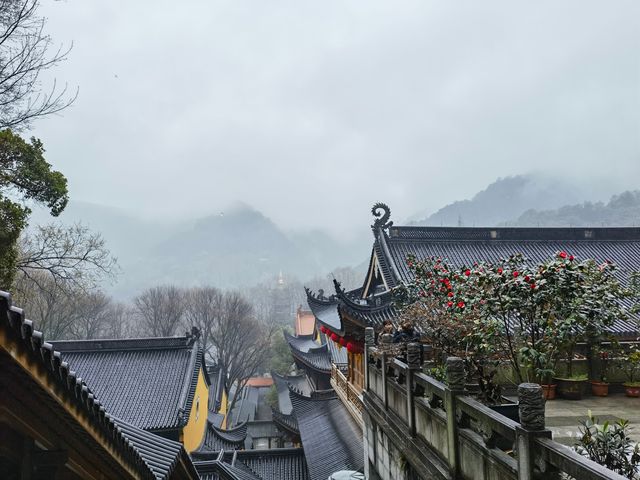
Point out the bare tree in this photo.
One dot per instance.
(241, 343)
(118, 321)
(160, 310)
(202, 310)
(48, 304)
(25, 52)
(90, 315)
(72, 255)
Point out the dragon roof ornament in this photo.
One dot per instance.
(382, 212)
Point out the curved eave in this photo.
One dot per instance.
(325, 311)
(285, 422)
(312, 360)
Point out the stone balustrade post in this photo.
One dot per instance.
(369, 341)
(531, 409)
(413, 364)
(385, 343)
(455, 386)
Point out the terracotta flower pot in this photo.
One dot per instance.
(632, 390)
(549, 391)
(600, 389)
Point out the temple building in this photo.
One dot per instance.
(343, 316)
(54, 425)
(157, 384)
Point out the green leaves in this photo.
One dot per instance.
(24, 175)
(24, 171)
(609, 445)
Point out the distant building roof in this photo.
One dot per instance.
(147, 382)
(259, 382)
(273, 464)
(217, 387)
(305, 323)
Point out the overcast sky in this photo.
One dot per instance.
(313, 110)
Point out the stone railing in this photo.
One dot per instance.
(348, 394)
(437, 431)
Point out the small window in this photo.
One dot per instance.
(197, 408)
(588, 234)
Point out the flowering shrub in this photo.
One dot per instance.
(528, 315)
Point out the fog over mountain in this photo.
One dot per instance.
(238, 246)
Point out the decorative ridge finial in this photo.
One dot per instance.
(382, 212)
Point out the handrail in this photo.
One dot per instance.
(572, 463)
(486, 418)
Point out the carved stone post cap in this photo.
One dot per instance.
(531, 406)
(369, 336)
(386, 338)
(413, 356)
(455, 373)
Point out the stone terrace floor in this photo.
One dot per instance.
(563, 416)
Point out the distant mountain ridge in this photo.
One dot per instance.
(622, 210)
(503, 200)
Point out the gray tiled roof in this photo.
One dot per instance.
(216, 389)
(283, 383)
(325, 310)
(331, 439)
(147, 382)
(318, 359)
(286, 422)
(160, 454)
(217, 439)
(465, 246)
(273, 464)
(150, 455)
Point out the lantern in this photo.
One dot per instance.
(334, 337)
(342, 341)
(350, 347)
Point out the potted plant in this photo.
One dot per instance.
(631, 366)
(609, 445)
(600, 388)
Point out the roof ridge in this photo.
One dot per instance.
(111, 344)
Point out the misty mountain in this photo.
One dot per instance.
(505, 199)
(238, 247)
(621, 210)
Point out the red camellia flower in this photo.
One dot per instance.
(562, 254)
(533, 285)
(515, 274)
(500, 271)
(571, 258)
(334, 337)
(467, 272)
(527, 278)
(450, 294)
(449, 304)
(460, 304)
